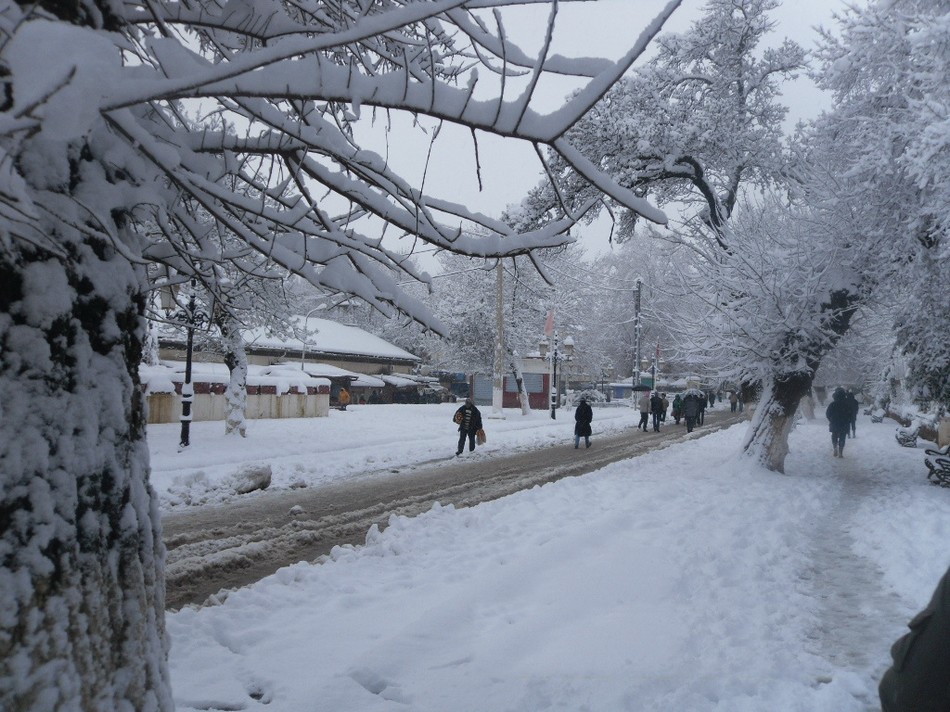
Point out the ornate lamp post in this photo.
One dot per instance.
(188, 317)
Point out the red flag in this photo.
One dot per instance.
(549, 324)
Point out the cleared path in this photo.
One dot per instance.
(213, 548)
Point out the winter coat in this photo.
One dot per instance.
(344, 397)
(656, 404)
(917, 681)
(677, 404)
(838, 413)
(471, 420)
(853, 405)
(692, 405)
(645, 403)
(582, 419)
(733, 398)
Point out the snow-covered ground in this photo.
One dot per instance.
(685, 579)
(364, 438)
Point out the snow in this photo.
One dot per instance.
(162, 377)
(685, 579)
(326, 336)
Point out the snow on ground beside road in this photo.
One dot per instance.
(683, 580)
(315, 451)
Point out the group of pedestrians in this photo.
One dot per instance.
(689, 406)
(654, 405)
(842, 415)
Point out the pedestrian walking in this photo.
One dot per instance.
(644, 411)
(692, 408)
(344, 398)
(469, 420)
(703, 402)
(838, 414)
(853, 408)
(582, 420)
(656, 409)
(666, 407)
(733, 401)
(677, 408)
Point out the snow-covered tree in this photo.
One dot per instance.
(99, 147)
(695, 125)
(889, 142)
(772, 307)
(698, 127)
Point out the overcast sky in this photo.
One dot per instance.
(597, 28)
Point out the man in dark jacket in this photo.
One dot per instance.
(853, 408)
(469, 419)
(692, 407)
(839, 421)
(919, 679)
(656, 409)
(582, 420)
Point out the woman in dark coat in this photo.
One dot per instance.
(839, 421)
(582, 420)
(469, 419)
(677, 408)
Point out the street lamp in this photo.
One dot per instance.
(188, 317)
(303, 339)
(556, 351)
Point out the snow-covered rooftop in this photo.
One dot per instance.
(329, 337)
(161, 378)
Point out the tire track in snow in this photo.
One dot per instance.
(226, 546)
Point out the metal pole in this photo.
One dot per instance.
(498, 381)
(303, 339)
(637, 333)
(554, 389)
(187, 388)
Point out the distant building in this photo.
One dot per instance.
(369, 367)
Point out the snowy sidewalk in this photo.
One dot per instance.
(685, 579)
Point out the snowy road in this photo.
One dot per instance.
(226, 546)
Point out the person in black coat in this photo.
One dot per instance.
(656, 408)
(838, 414)
(853, 408)
(692, 407)
(469, 420)
(582, 420)
(919, 679)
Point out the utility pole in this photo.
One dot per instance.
(498, 382)
(637, 332)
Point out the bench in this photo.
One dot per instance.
(938, 464)
(907, 437)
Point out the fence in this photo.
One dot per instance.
(210, 403)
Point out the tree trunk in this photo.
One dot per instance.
(519, 379)
(235, 357)
(767, 439)
(81, 550)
